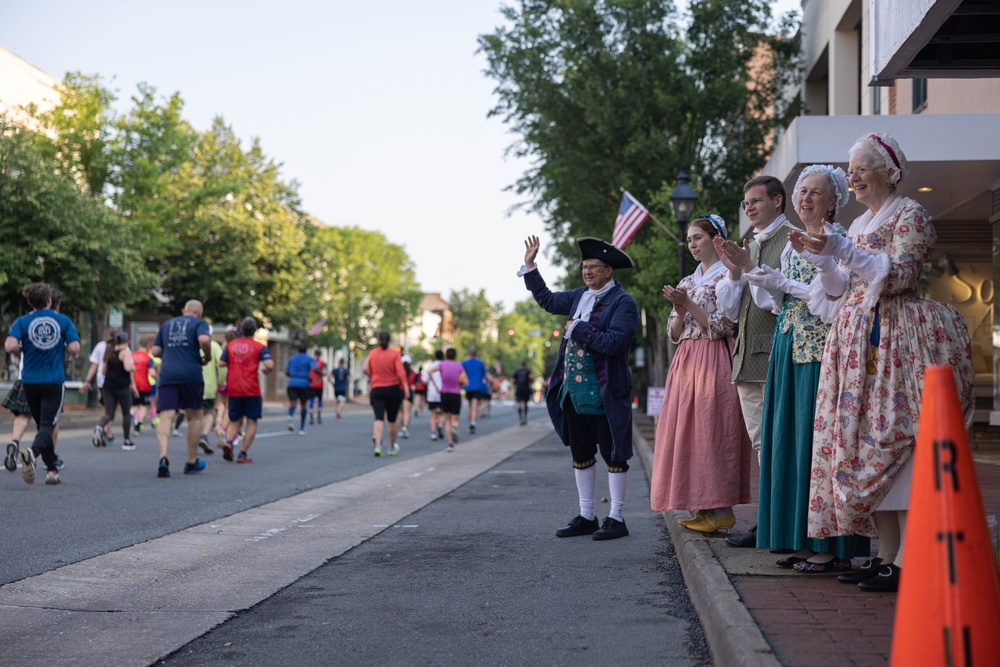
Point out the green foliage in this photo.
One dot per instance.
(360, 282)
(613, 94)
(53, 232)
(596, 94)
(79, 132)
(210, 219)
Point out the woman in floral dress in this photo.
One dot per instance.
(792, 381)
(883, 336)
(701, 461)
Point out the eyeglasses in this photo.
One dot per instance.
(851, 173)
(755, 202)
(593, 267)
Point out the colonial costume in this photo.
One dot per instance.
(702, 455)
(590, 392)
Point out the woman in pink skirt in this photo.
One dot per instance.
(702, 458)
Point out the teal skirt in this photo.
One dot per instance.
(786, 458)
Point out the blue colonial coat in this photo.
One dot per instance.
(608, 338)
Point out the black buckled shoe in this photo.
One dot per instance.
(867, 570)
(612, 529)
(886, 581)
(747, 540)
(579, 526)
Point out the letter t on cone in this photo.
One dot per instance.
(948, 609)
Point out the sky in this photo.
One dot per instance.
(377, 109)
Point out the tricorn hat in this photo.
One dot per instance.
(594, 248)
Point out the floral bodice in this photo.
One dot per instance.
(808, 331)
(704, 295)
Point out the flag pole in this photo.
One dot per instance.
(656, 220)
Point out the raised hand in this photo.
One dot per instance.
(531, 246)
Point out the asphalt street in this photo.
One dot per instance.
(422, 559)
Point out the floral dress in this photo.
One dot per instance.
(868, 400)
(701, 458)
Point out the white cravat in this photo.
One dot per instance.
(588, 300)
(770, 230)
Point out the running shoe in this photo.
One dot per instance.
(302, 431)
(227, 451)
(472, 427)
(192, 468)
(377, 451)
(60, 464)
(138, 428)
(108, 438)
(434, 436)
(319, 418)
(291, 426)
(10, 462)
(394, 449)
(451, 447)
(205, 446)
(312, 420)
(98, 436)
(405, 432)
(27, 465)
(243, 458)
(127, 445)
(164, 470)
(238, 439)
(52, 477)
(175, 432)
(440, 432)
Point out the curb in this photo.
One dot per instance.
(733, 637)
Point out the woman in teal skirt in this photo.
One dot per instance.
(792, 382)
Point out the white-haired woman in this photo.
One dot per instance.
(792, 380)
(882, 338)
(701, 461)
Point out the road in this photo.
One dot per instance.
(319, 553)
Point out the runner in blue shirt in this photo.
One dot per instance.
(297, 369)
(340, 376)
(475, 370)
(185, 344)
(43, 337)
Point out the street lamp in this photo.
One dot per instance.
(682, 201)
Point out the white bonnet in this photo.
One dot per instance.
(838, 181)
(888, 150)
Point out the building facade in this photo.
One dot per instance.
(864, 73)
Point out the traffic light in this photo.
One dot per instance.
(510, 336)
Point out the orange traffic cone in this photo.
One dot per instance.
(948, 609)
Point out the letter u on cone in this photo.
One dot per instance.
(948, 609)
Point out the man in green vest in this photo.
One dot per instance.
(764, 205)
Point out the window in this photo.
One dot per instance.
(919, 95)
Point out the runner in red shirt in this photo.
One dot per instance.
(316, 384)
(244, 357)
(144, 370)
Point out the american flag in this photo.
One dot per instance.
(631, 215)
(316, 328)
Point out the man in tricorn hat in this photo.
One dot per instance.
(590, 391)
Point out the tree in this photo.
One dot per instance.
(358, 281)
(79, 132)
(55, 233)
(613, 94)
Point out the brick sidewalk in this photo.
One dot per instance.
(817, 620)
(810, 620)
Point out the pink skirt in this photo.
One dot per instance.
(702, 451)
